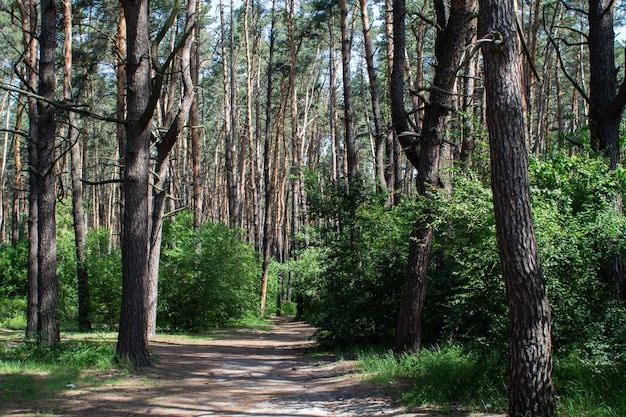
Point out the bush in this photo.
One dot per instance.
(208, 277)
(361, 267)
(13, 313)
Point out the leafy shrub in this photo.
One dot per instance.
(208, 277)
(104, 269)
(13, 313)
(361, 265)
(14, 270)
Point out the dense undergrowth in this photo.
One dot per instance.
(449, 377)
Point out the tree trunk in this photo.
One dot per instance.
(28, 14)
(531, 391)
(348, 107)
(80, 228)
(164, 148)
(132, 342)
(45, 173)
(267, 180)
(606, 104)
(379, 139)
(449, 46)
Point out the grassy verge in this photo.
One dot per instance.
(448, 377)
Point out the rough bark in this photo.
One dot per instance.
(132, 342)
(452, 34)
(48, 322)
(606, 103)
(531, 391)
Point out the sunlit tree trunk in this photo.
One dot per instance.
(80, 228)
(348, 107)
(379, 148)
(267, 180)
(531, 392)
(28, 14)
(164, 148)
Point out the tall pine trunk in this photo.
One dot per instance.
(531, 392)
(132, 342)
(48, 323)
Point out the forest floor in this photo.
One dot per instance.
(238, 374)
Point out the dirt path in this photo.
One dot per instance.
(258, 374)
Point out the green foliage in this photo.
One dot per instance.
(13, 313)
(590, 390)
(104, 269)
(465, 296)
(208, 277)
(14, 270)
(579, 234)
(361, 267)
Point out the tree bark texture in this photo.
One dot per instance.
(606, 104)
(132, 342)
(531, 392)
(449, 46)
(48, 323)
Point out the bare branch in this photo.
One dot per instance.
(103, 182)
(571, 79)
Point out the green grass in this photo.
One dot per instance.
(30, 373)
(442, 377)
(449, 376)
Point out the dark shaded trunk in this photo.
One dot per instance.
(48, 322)
(132, 342)
(606, 104)
(531, 392)
(449, 45)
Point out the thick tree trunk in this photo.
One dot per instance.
(531, 391)
(606, 105)
(449, 46)
(132, 342)
(80, 228)
(45, 173)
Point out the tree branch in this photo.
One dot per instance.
(571, 79)
(59, 105)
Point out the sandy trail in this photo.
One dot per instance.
(259, 374)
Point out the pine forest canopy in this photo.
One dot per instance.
(330, 142)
